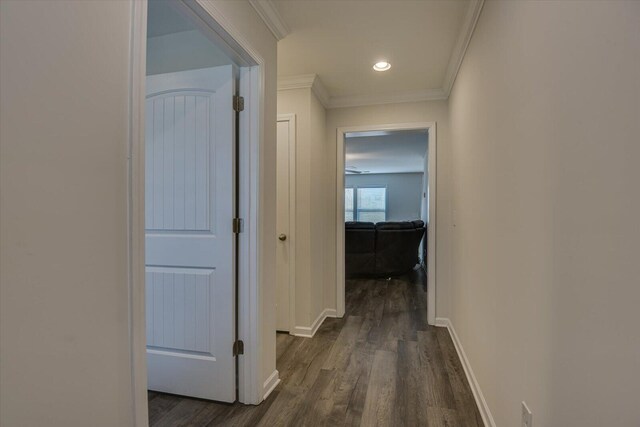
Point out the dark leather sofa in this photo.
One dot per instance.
(382, 249)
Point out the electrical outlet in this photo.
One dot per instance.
(527, 416)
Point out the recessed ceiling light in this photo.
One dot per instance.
(381, 66)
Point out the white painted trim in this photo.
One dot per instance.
(306, 81)
(136, 216)
(481, 402)
(270, 15)
(431, 229)
(301, 81)
(250, 308)
(312, 81)
(270, 384)
(441, 322)
(391, 98)
(321, 92)
(310, 331)
(330, 312)
(231, 39)
(340, 250)
(462, 43)
(291, 118)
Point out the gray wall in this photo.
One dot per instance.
(187, 50)
(65, 345)
(544, 275)
(404, 192)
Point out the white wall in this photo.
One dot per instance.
(404, 192)
(64, 317)
(433, 111)
(545, 288)
(310, 280)
(65, 351)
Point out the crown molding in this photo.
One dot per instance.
(271, 17)
(306, 81)
(301, 81)
(313, 82)
(391, 98)
(321, 92)
(462, 43)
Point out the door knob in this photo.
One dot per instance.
(282, 237)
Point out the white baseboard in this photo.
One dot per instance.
(442, 322)
(270, 384)
(310, 331)
(485, 413)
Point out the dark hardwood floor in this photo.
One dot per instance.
(380, 365)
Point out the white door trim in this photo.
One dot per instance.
(250, 268)
(293, 133)
(251, 133)
(136, 215)
(431, 229)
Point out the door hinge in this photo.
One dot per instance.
(238, 347)
(238, 103)
(237, 225)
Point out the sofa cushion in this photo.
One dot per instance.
(384, 249)
(396, 250)
(404, 225)
(360, 248)
(360, 240)
(356, 225)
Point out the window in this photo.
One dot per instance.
(348, 204)
(369, 204)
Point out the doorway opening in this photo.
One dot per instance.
(190, 204)
(193, 216)
(386, 216)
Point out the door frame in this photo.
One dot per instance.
(431, 229)
(293, 133)
(214, 24)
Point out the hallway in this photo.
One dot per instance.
(379, 365)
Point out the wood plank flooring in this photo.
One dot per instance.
(380, 365)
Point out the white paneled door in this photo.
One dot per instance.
(189, 209)
(284, 246)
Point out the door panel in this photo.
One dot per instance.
(190, 290)
(282, 226)
(178, 308)
(180, 162)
